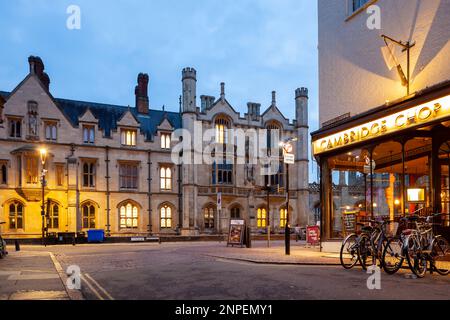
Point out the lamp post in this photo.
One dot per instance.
(43, 154)
(287, 158)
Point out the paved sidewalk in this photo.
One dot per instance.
(260, 253)
(26, 275)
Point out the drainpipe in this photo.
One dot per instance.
(180, 199)
(149, 193)
(108, 193)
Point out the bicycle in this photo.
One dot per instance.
(373, 245)
(350, 252)
(419, 247)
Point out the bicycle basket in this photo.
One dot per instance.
(392, 229)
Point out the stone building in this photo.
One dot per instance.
(111, 167)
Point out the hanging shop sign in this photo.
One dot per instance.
(406, 119)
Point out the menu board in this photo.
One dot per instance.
(236, 235)
(349, 222)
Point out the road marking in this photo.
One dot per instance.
(99, 286)
(72, 294)
(92, 288)
(44, 276)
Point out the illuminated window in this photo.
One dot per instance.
(89, 174)
(128, 176)
(283, 217)
(129, 216)
(208, 216)
(222, 126)
(88, 134)
(51, 131)
(166, 178)
(59, 174)
(128, 138)
(32, 169)
(15, 128)
(53, 215)
(165, 141)
(261, 218)
(166, 217)
(16, 215)
(88, 212)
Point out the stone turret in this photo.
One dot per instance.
(302, 155)
(141, 92)
(189, 79)
(301, 106)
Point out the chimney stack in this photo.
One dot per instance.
(207, 102)
(141, 92)
(37, 68)
(254, 110)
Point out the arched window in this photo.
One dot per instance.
(16, 215)
(53, 216)
(235, 213)
(222, 124)
(129, 216)
(261, 218)
(88, 212)
(166, 216)
(166, 178)
(283, 217)
(208, 216)
(273, 131)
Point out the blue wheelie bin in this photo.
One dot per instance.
(96, 236)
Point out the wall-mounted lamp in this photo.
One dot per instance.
(392, 61)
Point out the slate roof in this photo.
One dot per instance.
(108, 115)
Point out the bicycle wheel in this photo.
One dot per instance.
(365, 251)
(416, 259)
(393, 256)
(440, 253)
(349, 252)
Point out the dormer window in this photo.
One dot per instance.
(15, 128)
(51, 131)
(89, 134)
(165, 141)
(128, 137)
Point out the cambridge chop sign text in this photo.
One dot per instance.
(406, 119)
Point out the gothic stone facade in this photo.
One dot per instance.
(110, 167)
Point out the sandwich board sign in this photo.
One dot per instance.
(236, 233)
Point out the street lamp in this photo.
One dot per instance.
(287, 158)
(43, 154)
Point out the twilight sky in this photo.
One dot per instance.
(254, 46)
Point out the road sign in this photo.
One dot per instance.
(289, 158)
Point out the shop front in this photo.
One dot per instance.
(391, 161)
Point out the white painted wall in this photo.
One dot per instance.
(352, 74)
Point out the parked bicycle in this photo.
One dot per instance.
(3, 251)
(420, 248)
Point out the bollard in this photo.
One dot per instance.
(16, 242)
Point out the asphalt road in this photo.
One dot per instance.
(185, 271)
